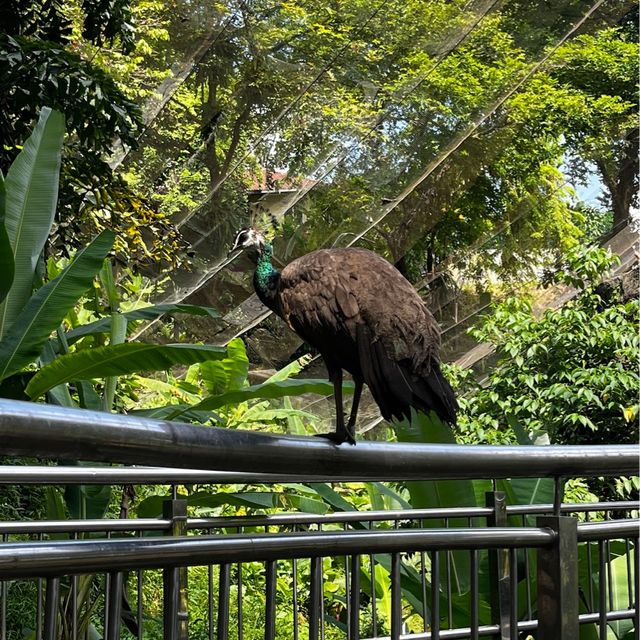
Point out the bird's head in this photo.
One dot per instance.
(248, 239)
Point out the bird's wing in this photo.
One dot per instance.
(393, 312)
(317, 297)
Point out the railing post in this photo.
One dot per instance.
(176, 614)
(558, 581)
(499, 566)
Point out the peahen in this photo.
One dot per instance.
(362, 316)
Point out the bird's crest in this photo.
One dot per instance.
(265, 222)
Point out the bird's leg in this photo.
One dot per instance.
(341, 434)
(357, 392)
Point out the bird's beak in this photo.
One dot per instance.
(234, 252)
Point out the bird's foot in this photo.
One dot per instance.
(338, 437)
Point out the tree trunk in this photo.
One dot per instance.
(622, 181)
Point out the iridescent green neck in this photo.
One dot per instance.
(266, 275)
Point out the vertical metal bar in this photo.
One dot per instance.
(602, 592)
(374, 603)
(294, 568)
(513, 590)
(175, 613)
(527, 576)
(139, 604)
(396, 598)
(314, 598)
(39, 606)
(74, 600)
(210, 597)
(435, 595)
(636, 584)
(354, 600)
(239, 601)
(52, 596)
(558, 581)
(607, 547)
(587, 518)
(321, 592)
(448, 580)
(210, 600)
(629, 574)
(74, 607)
(3, 611)
(114, 595)
(474, 571)
(270, 601)
(423, 578)
(499, 596)
(3, 598)
(558, 495)
(224, 587)
(105, 594)
(347, 588)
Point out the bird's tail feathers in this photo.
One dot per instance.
(397, 387)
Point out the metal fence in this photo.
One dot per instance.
(502, 570)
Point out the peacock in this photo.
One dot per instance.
(363, 317)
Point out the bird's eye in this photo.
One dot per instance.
(241, 238)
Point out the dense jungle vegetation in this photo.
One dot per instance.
(454, 138)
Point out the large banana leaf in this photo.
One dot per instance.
(271, 390)
(117, 360)
(229, 374)
(151, 507)
(7, 265)
(146, 313)
(44, 312)
(31, 195)
(440, 494)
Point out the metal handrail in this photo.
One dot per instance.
(492, 630)
(294, 519)
(51, 558)
(30, 429)
(57, 558)
(590, 531)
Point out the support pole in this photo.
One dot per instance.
(176, 614)
(558, 581)
(499, 566)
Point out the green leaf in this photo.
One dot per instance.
(146, 313)
(331, 497)
(439, 494)
(118, 360)
(182, 413)
(7, 265)
(292, 369)
(151, 507)
(620, 595)
(228, 374)
(271, 390)
(295, 425)
(304, 503)
(58, 395)
(87, 501)
(47, 307)
(31, 196)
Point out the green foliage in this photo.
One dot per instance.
(31, 192)
(7, 264)
(95, 109)
(41, 63)
(45, 310)
(104, 20)
(573, 373)
(117, 360)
